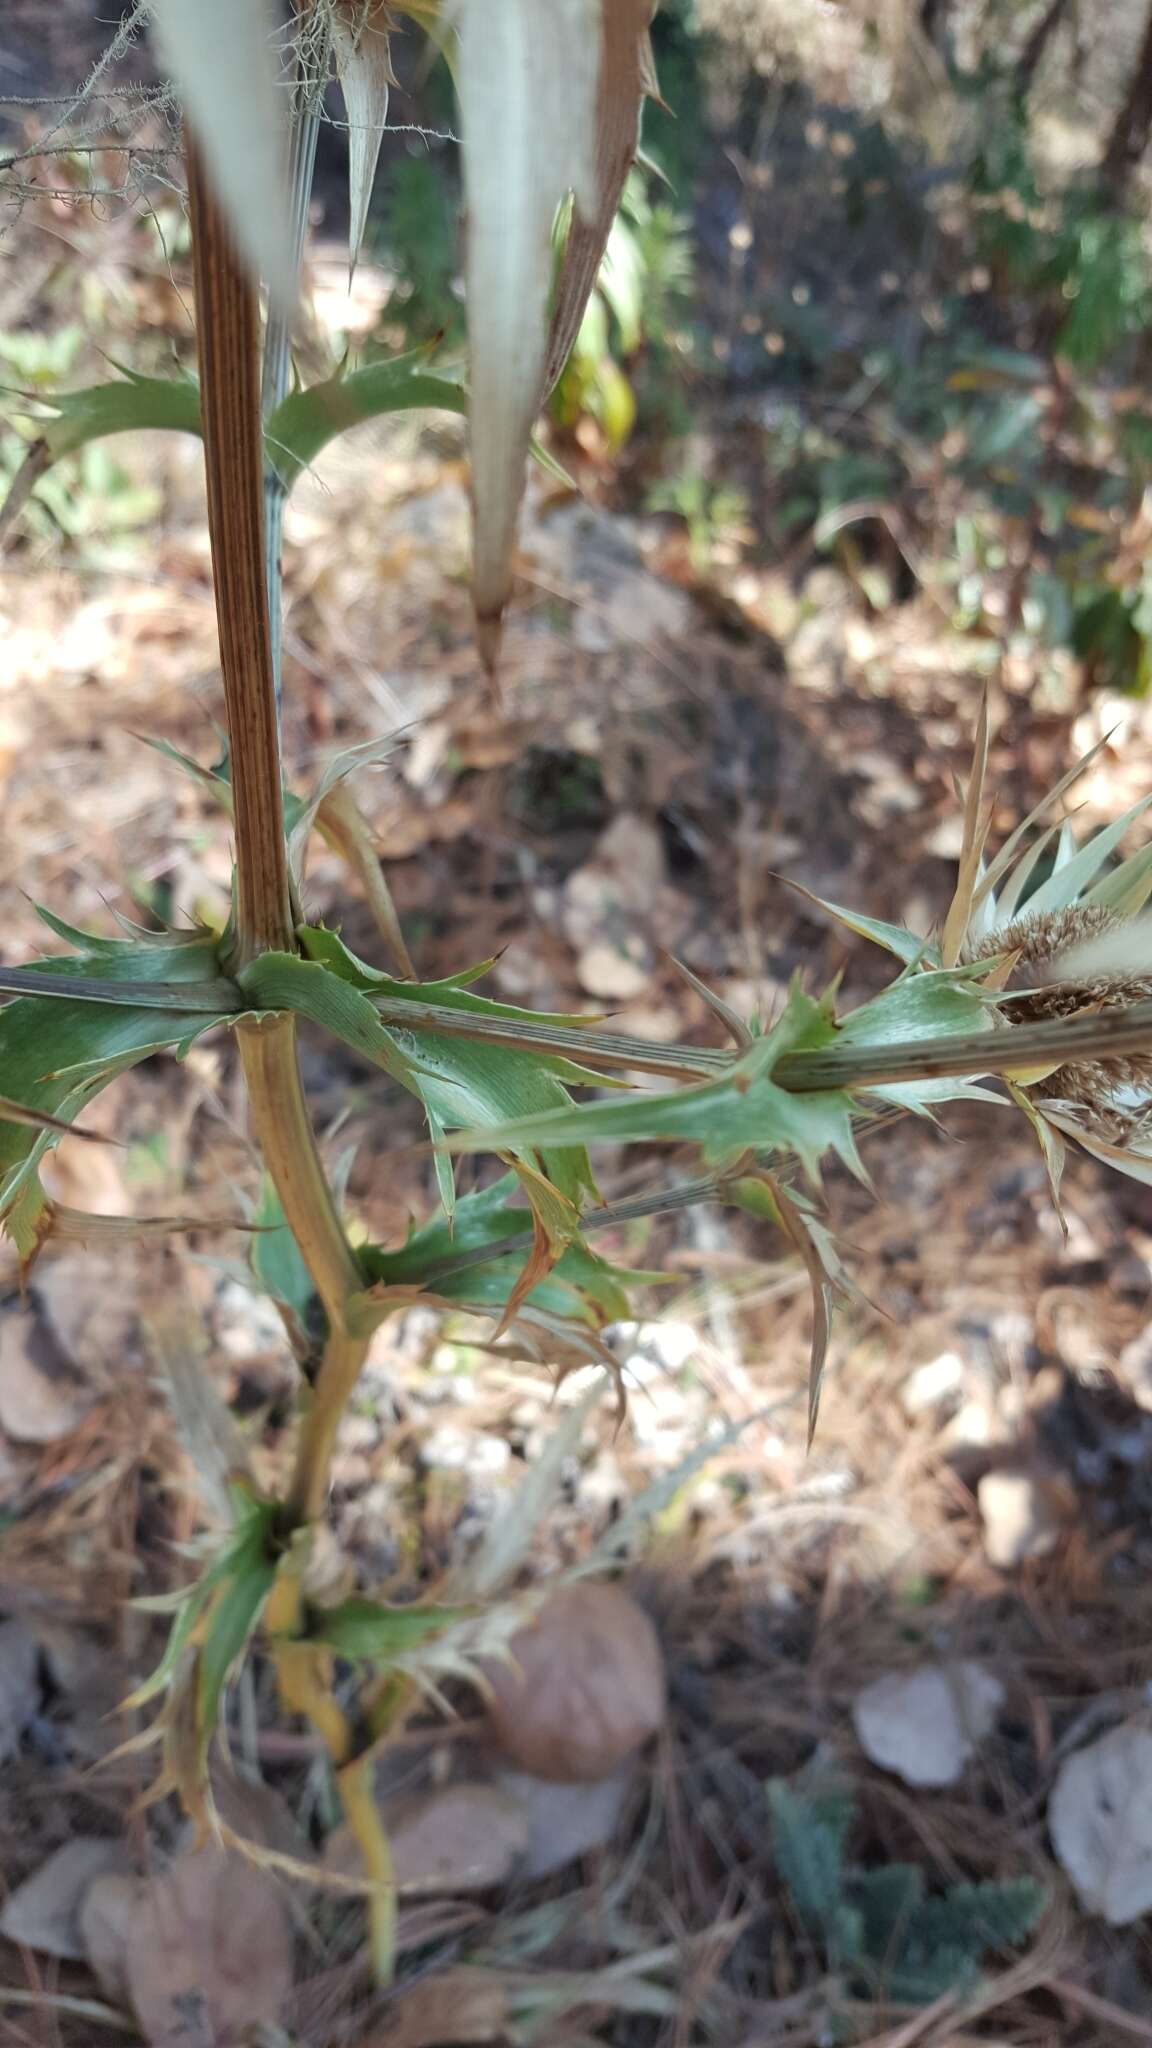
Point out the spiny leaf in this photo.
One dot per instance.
(990, 911)
(217, 780)
(132, 405)
(85, 942)
(1128, 1159)
(936, 1003)
(1127, 889)
(232, 1618)
(478, 1258)
(249, 1542)
(762, 1194)
(999, 866)
(306, 421)
(364, 1629)
(745, 1110)
(279, 981)
(1068, 881)
(451, 993)
(335, 772)
(57, 1052)
(54, 1056)
(278, 1266)
(906, 945)
(458, 1081)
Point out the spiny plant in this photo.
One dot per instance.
(883, 1936)
(550, 95)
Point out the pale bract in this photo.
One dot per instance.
(527, 82)
(550, 93)
(360, 47)
(222, 57)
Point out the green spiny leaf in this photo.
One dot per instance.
(363, 1629)
(893, 937)
(458, 1081)
(282, 1273)
(743, 1111)
(131, 406)
(452, 993)
(279, 981)
(231, 1620)
(306, 421)
(1069, 881)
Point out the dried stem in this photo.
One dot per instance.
(228, 326)
(228, 340)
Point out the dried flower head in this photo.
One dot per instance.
(1058, 929)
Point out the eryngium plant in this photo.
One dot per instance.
(1045, 989)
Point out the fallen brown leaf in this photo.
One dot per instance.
(107, 1912)
(460, 2007)
(1100, 1821)
(208, 1955)
(462, 1838)
(567, 1821)
(44, 1912)
(584, 1688)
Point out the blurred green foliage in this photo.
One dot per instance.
(89, 496)
(883, 1935)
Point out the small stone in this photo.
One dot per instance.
(465, 1450)
(936, 1387)
(649, 1351)
(1019, 1521)
(247, 1322)
(970, 1429)
(923, 1725)
(605, 971)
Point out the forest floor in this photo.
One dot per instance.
(667, 748)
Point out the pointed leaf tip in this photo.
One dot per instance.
(627, 76)
(360, 45)
(221, 56)
(489, 640)
(528, 107)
